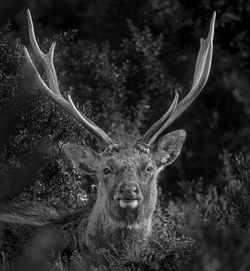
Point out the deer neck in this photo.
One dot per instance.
(101, 231)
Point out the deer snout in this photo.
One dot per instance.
(129, 191)
(129, 195)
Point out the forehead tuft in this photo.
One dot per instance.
(129, 156)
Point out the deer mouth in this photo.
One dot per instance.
(129, 203)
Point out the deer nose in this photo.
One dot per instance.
(129, 191)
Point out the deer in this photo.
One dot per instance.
(127, 175)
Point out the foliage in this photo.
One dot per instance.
(118, 83)
(224, 242)
(32, 131)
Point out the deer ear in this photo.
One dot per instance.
(84, 159)
(168, 148)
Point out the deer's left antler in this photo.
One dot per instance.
(201, 73)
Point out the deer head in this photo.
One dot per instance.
(127, 175)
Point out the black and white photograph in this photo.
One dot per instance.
(124, 135)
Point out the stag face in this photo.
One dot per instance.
(127, 185)
(127, 189)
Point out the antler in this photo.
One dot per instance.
(53, 91)
(201, 73)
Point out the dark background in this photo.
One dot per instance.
(123, 60)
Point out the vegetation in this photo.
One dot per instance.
(122, 66)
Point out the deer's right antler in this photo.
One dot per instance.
(53, 91)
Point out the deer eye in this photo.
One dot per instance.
(106, 170)
(149, 168)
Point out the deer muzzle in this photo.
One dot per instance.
(129, 195)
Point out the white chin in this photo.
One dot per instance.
(131, 204)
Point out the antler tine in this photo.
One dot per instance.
(202, 70)
(53, 91)
(159, 126)
(45, 59)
